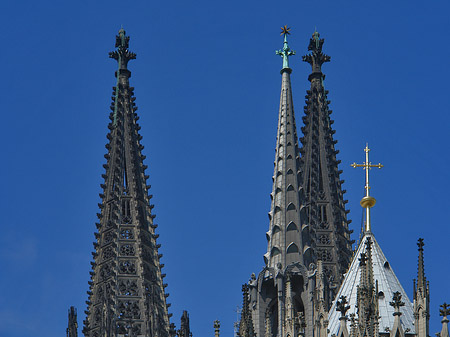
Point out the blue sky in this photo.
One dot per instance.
(207, 85)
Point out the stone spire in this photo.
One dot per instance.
(325, 227)
(421, 297)
(307, 216)
(285, 236)
(126, 295)
(246, 324)
(185, 330)
(367, 296)
(280, 301)
(72, 328)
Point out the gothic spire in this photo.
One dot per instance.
(246, 324)
(285, 243)
(185, 330)
(367, 300)
(421, 279)
(325, 224)
(126, 295)
(72, 327)
(421, 296)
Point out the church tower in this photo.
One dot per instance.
(308, 225)
(126, 294)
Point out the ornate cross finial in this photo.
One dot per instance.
(216, 328)
(122, 55)
(367, 202)
(342, 306)
(316, 58)
(286, 51)
(368, 244)
(362, 259)
(420, 244)
(445, 311)
(397, 302)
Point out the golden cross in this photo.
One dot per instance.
(367, 202)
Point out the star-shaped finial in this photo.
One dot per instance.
(285, 30)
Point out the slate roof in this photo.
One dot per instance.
(387, 283)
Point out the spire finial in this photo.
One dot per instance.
(397, 303)
(421, 280)
(316, 58)
(122, 55)
(342, 306)
(216, 328)
(286, 51)
(445, 311)
(367, 202)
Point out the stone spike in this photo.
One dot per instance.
(127, 293)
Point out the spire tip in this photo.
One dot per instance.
(286, 51)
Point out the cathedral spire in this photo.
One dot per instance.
(309, 245)
(285, 239)
(325, 226)
(126, 295)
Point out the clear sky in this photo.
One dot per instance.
(207, 85)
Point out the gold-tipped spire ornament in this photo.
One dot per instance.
(367, 201)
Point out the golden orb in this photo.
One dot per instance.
(368, 202)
